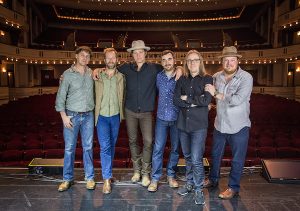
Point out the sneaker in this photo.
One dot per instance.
(90, 184)
(199, 197)
(209, 184)
(185, 190)
(65, 185)
(153, 186)
(172, 182)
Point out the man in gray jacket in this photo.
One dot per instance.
(232, 89)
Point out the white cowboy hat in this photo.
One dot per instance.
(138, 44)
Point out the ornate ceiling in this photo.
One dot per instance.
(151, 5)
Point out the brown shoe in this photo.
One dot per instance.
(209, 184)
(90, 184)
(106, 186)
(65, 185)
(153, 186)
(228, 194)
(172, 182)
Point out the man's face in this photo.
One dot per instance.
(139, 56)
(193, 63)
(230, 64)
(167, 61)
(83, 58)
(110, 60)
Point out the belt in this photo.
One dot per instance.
(85, 112)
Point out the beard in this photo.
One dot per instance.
(168, 67)
(111, 65)
(230, 71)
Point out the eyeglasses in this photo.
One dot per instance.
(190, 61)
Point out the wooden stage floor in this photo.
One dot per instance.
(22, 191)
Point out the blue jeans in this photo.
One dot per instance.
(161, 130)
(108, 130)
(193, 147)
(83, 122)
(238, 143)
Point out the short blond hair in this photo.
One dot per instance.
(106, 50)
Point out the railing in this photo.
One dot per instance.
(37, 56)
(290, 17)
(13, 17)
(11, 94)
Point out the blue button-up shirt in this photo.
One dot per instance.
(166, 110)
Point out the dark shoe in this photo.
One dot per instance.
(199, 197)
(65, 185)
(228, 194)
(185, 190)
(209, 184)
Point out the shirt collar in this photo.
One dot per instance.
(165, 75)
(73, 69)
(237, 74)
(134, 65)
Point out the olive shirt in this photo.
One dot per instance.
(120, 89)
(110, 102)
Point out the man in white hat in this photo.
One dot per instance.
(139, 105)
(232, 89)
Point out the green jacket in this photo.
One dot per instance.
(121, 94)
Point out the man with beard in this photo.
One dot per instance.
(140, 78)
(109, 90)
(232, 89)
(166, 118)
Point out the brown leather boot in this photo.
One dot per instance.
(106, 186)
(228, 194)
(172, 182)
(65, 185)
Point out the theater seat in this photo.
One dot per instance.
(51, 144)
(287, 152)
(265, 142)
(17, 144)
(33, 144)
(266, 152)
(11, 158)
(32, 153)
(54, 153)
